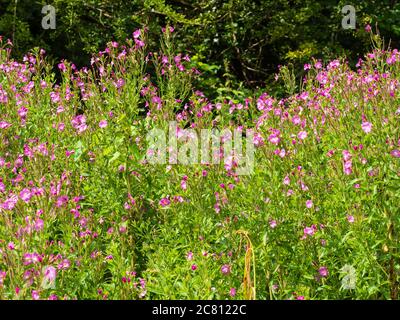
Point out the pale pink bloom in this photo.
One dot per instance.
(4, 125)
(302, 135)
(395, 153)
(103, 124)
(164, 202)
(323, 271)
(50, 274)
(35, 295)
(189, 256)
(286, 180)
(366, 126)
(136, 34)
(226, 269)
(274, 139)
(309, 204)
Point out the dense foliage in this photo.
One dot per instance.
(235, 41)
(84, 214)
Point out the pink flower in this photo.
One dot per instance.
(189, 256)
(25, 195)
(323, 271)
(62, 201)
(368, 28)
(302, 135)
(274, 139)
(309, 231)
(232, 292)
(309, 204)
(273, 224)
(11, 245)
(194, 267)
(35, 295)
(50, 274)
(10, 203)
(3, 275)
(286, 180)
(103, 124)
(366, 126)
(164, 202)
(300, 298)
(64, 265)
(136, 34)
(79, 123)
(226, 269)
(350, 218)
(31, 258)
(395, 153)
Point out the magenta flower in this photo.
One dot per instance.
(368, 28)
(3, 275)
(309, 231)
(62, 201)
(323, 272)
(25, 195)
(31, 258)
(309, 204)
(350, 218)
(103, 124)
(302, 135)
(10, 203)
(274, 139)
(164, 202)
(226, 269)
(366, 126)
(395, 153)
(50, 274)
(190, 255)
(273, 224)
(194, 267)
(232, 292)
(136, 34)
(35, 295)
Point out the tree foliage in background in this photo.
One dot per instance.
(235, 43)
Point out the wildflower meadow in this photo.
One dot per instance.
(106, 193)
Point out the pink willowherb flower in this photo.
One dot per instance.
(189, 256)
(194, 267)
(232, 292)
(50, 274)
(366, 126)
(25, 195)
(350, 218)
(226, 269)
(323, 272)
(35, 295)
(103, 124)
(395, 153)
(10, 203)
(164, 202)
(136, 34)
(274, 139)
(302, 135)
(309, 204)
(309, 231)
